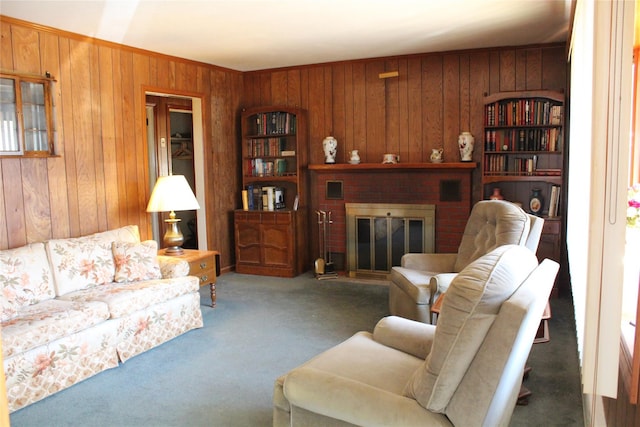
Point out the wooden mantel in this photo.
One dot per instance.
(397, 167)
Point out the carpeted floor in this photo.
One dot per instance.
(223, 374)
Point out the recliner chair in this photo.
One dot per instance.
(466, 371)
(421, 278)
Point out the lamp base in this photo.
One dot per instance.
(173, 238)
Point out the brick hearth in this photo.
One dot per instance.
(403, 183)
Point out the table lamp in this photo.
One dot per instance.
(172, 193)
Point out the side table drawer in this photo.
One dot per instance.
(204, 269)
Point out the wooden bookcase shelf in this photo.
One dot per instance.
(523, 150)
(270, 237)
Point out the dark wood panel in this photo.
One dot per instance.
(508, 70)
(432, 104)
(451, 107)
(391, 108)
(534, 69)
(375, 110)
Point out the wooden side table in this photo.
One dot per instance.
(203, 265)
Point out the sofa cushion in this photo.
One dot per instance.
(469, 308)
(414, 283)
(82, 262)
(25, 277)
(492, 223)
(48, 321)
(136, 261)
(126, 298)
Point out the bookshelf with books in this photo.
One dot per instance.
(523, 148)
(270, 226)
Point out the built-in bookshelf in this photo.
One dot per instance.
(523, 149)
(270, 226)
(523, 142)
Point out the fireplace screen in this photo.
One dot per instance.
(379, 234)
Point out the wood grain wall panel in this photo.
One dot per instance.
(318, 126)
(534, 69)
(279, 88)
(507, 70)
(96, 140)
(359, 90)
(4, 218)
(108, 137)
(451, 107)
(391, 102)
(348, 111)
(141, 79)
(338, 119)
(57, 179)
(433, 105)
(36, 200)
(552, 66)
(69, 155)
(403, 110)
(26, 50)
(520, 74)
(415, 108)
(494, 71)
(14, 211)
(465, 94)
(83, 132)
(6, 50)
(479, 81)
(119, 141)
(375, 108)
(293, 88)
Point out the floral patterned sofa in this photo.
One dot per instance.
(74, 307)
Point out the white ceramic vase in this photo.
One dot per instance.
(465, 143)
(330, 147)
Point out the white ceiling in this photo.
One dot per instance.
(249, 35)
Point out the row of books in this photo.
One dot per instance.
(517, 112)
(499, 164)
(554, 201)
(268, 147)
(267, 198)
(276, 122)
(523, 140)
(262, 167)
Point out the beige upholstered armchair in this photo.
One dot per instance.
(467, 371)
(421, 278)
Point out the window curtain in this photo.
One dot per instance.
(601, 49)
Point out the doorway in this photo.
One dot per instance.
(175, 146)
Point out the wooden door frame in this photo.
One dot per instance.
(198, 111)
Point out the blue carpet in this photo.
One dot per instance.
(262, 327)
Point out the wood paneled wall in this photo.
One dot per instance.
(433, 99)
(100, 179)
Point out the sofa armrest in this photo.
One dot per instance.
(429, 262)
(344, 399)
(172, 267)
(406, 335)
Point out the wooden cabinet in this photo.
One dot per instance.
(523, 153)
(268, 243)
(269, 231)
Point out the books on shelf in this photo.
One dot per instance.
(554, 201)
(267, 198)
(275, 122)
(523, 139)
(524, 112)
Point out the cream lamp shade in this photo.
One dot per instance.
(172, 193)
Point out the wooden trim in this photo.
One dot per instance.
(364, 167)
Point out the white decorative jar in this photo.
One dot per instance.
(465, 143)
(330, 147)
(355, 157)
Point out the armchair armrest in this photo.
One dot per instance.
(440, 283)
(357, 403)
(172, 267)
(406, 335)
(429, 262)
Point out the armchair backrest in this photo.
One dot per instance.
(492, 223)
(488, 392)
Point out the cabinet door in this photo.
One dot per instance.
(247, 242)
(277, 245)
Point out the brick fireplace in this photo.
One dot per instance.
(445, 185)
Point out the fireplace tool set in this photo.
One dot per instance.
(324, 267)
